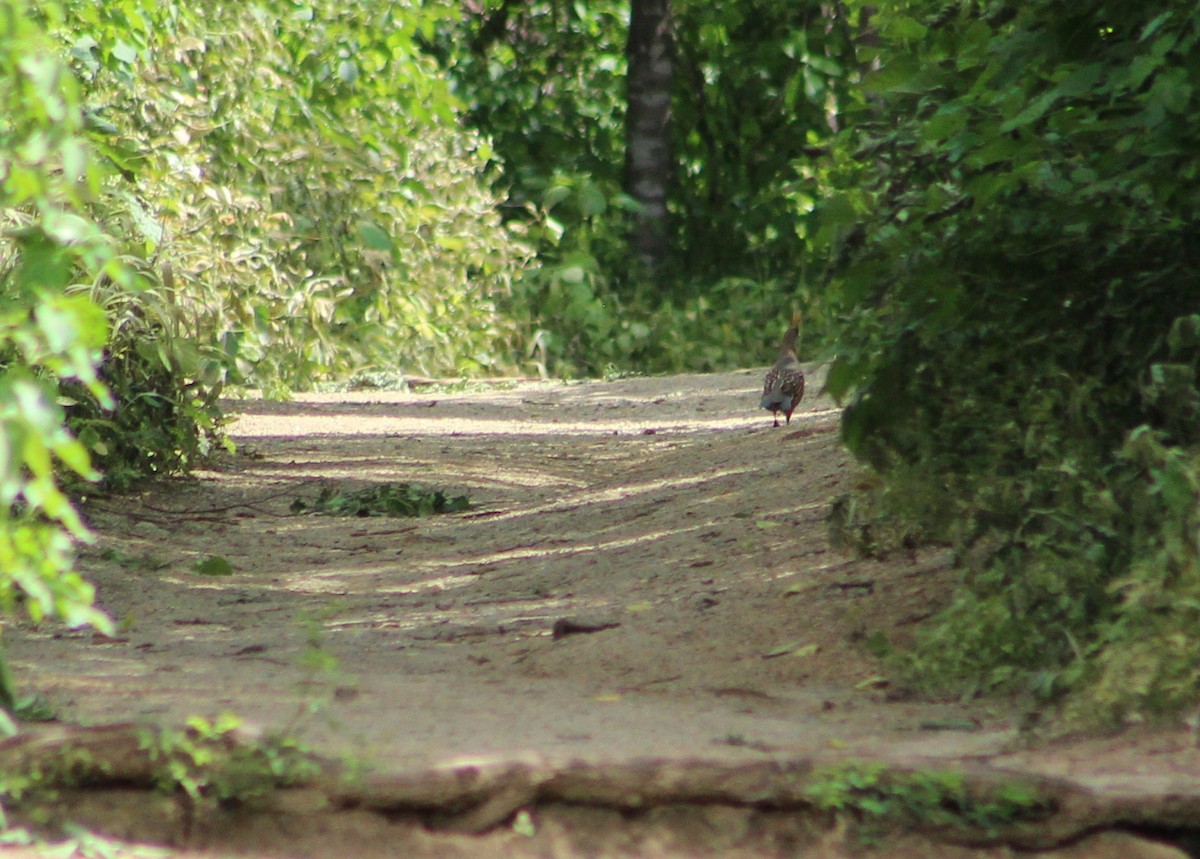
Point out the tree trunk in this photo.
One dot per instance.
(648, 128)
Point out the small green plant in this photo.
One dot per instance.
(88, 845)
(213, 565)
(207, 763)
(35, 708)
(324, 678)
(385, 499)
(613, 373)
(34, 787)
(35, 793)
(150, 561)
(316, 659)
(465, 386)
(877, 798)
(17, 787)
(163, 417)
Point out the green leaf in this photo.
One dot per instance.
(1079, 82)
(452, 243)
(1172, 90)
(843, 376)
(905, 28)
(555, 196)
(1184, 337)
(1033, 111)
(76, 456)
(149, 228)
(902, 74)
(825, 65)
(571, 274)
(1151, 28)
(1142, 67)
(523, 824)
(124, 52)
(795, 648)
(946, 122)
(591, 201)
(375, 237)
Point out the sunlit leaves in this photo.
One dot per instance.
(47, 336)
(307, 179)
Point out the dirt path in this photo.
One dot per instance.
(644, 576)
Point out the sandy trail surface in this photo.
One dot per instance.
(643, 583)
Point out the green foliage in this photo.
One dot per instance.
(759, 89)
(36, 783)
(545, 81)
(576, 322)
(876, 798)
(78, 842)
(46, 335)
(206, 762)
(757, 85)
(1010, 241)
(165, 386)
(1148, 659)
(300, 170)
(213, 565)
(384, 499)
(756, 88)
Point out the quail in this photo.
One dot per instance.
(784, 383)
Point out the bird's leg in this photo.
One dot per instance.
(776, 421)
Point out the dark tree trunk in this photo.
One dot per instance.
(648, 128)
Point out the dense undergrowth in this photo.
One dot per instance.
(1017, 268)
(757, 87)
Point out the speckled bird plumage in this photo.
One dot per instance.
(783, 385)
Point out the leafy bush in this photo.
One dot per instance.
(301, 171)
(166, 417)
(1011, 248)
(46, 335)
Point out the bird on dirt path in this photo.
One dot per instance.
(784, 383)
